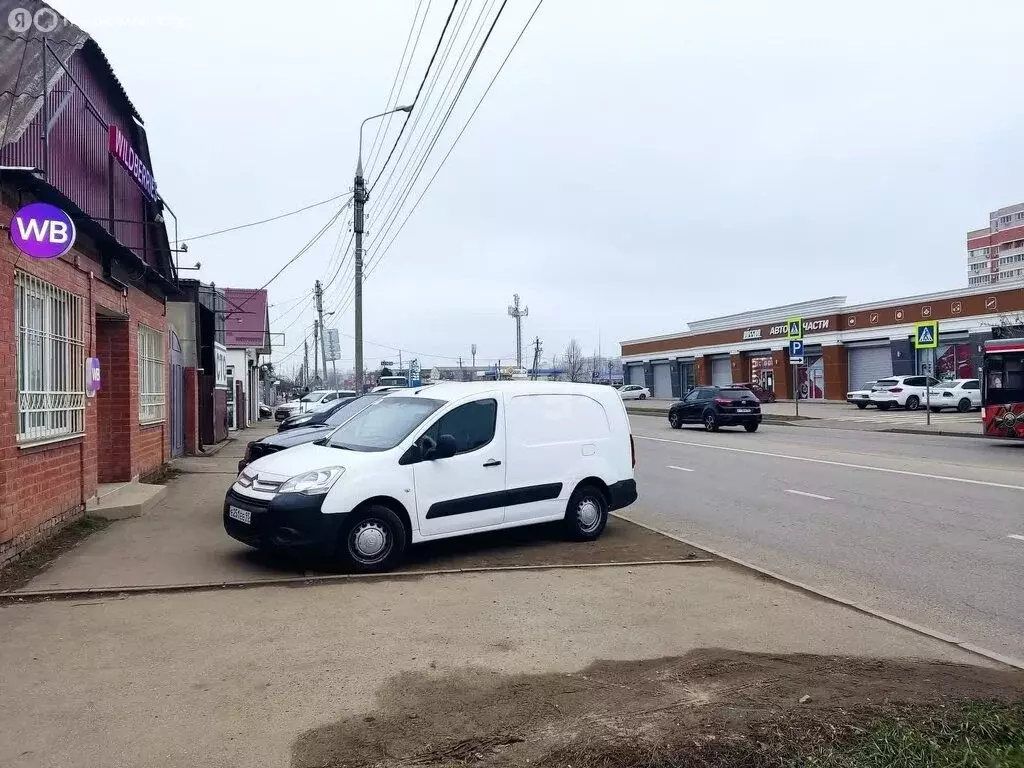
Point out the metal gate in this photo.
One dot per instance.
(176, 394)
(663, 381)
(868, 364)
(721, 371)
(636, 375)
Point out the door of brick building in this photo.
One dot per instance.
(176, 392)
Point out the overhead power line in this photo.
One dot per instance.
(272, 218)
(383, 252)
(404, 195)
(308, 245)
(419, 90)
(388, 197)
(374, 147)
(293, 259)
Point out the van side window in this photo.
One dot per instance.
(472, 425)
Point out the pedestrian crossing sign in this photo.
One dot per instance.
(926, 335)
(794, 328)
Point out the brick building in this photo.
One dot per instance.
(71, 138)
(845, 345)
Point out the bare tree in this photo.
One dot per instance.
(573, 362)
(1009, 326)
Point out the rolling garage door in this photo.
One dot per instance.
(868, 364)
(636, 375)
(721, 371)
(662, 381)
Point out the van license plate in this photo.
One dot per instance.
(742, 410)
(241, 515)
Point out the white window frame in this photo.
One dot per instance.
(152, 356)
(50, 367)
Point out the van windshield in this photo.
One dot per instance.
(383, 425)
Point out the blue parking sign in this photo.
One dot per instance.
(796, 351)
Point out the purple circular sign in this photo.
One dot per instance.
(42, 231)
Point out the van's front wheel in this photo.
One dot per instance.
(372, 541)
(587, 514)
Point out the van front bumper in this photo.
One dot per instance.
(288, 521)
(621, 494)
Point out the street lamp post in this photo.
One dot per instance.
(360, 198)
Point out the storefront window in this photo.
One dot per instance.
(948, 361)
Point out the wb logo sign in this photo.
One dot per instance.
(42, 231)
(20, 20)
(50, 231)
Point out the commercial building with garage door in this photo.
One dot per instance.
(845, 346)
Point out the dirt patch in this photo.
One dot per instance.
(708, 708)
(41, 556)
(621, 542)
(538, 545)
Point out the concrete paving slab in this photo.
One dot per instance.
(125, 500)
(235, 678)
(182, 541)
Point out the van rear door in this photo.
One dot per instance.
(554, 441)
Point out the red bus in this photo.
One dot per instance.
(1003, 388)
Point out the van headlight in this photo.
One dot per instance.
(315, 483)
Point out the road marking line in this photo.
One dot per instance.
(837, 463)
(1016, 536)
(681, 469)
(811, 495)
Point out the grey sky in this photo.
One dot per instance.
(637, 165)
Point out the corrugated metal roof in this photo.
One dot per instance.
(21, 67)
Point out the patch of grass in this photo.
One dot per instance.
(972, 735)
(968, 735)
(38, 558)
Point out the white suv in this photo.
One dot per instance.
(902, 391)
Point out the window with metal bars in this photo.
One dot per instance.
(50, 360)
(152, 401)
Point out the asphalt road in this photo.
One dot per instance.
(920, 527)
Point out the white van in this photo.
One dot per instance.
(440, 461)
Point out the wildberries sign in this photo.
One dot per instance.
(126, 155)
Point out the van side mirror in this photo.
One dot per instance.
(446, 448)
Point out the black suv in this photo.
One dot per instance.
(716, 407)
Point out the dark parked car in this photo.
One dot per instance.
(315, 418)
(762, 394)
(716, 407)
(303, 434)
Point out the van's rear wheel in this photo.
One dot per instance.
(587, 514)
(372, 540)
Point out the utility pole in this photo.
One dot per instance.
(318, 294)
(316, 348)
(305, 363)
(359, 202)
(536, 355)
(518, 314)
(461, 376)
(359, 198)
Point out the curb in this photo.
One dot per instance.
(40, 595)
(912, 431)
(963, 645)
